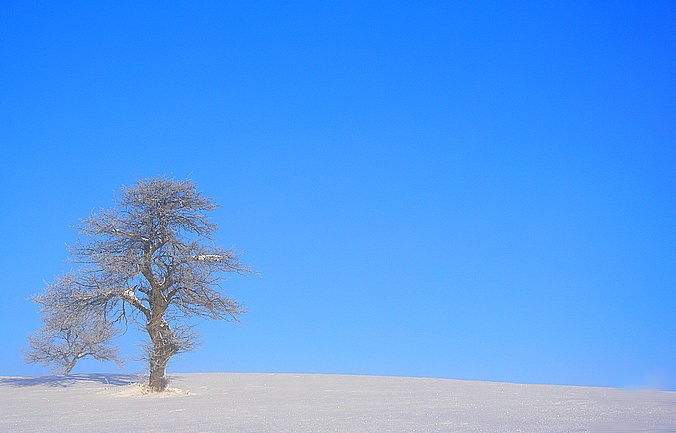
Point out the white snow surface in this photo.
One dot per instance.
(233, 402)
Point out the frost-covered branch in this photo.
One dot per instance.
(67, 338)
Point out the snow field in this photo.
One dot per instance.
(230, 402)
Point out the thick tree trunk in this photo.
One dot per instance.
(164, 347)
(158, 377)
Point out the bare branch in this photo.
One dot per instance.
(65, 339)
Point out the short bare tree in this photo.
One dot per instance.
(151, 260)
(66, 337)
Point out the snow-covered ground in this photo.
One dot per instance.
(224, 402)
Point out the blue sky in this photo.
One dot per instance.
(480, 191)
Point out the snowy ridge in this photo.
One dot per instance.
(216, 402)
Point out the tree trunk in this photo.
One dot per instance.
(158, 378)
(164, 347)
(69, 366)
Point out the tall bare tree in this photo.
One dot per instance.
(151, 260)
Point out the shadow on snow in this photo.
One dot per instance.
(65, 381)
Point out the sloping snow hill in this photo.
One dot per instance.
(224, 402)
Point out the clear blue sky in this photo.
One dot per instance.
(476, 191)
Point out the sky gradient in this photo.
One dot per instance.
(480, 191)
